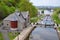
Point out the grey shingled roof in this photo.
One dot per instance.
(14, 16)
(25, 14)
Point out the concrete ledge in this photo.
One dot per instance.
(24, 34)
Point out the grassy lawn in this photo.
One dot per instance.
(0, 21)
(59, 28)
(1, 37)
(12, 35)
(35, 19)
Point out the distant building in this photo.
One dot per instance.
(46, 12)
(40, 12)
(17, 20)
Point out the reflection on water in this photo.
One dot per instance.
(43, 34)
(47, 33)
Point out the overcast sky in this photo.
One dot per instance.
(46, 2)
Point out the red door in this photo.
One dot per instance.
(14, 24)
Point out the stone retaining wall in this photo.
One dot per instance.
(24, 34)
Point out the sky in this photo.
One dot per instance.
(46, 2)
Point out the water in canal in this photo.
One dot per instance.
(40, 33)
(44, 34)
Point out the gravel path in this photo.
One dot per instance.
(4, 33)
(59, 35)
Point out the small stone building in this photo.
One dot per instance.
(22, 19)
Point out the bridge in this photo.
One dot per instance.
(36, 32)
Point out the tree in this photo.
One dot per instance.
(27, 6)
(55, 15)
(5, 10)
(9, 6)
(33, 11)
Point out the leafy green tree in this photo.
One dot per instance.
(9, 6)
(5, 10)
(33, 11)
(27, 6)
(55, 15)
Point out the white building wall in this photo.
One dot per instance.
(45, 12)
(6, 23)
(20, 26)
(48, 12)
